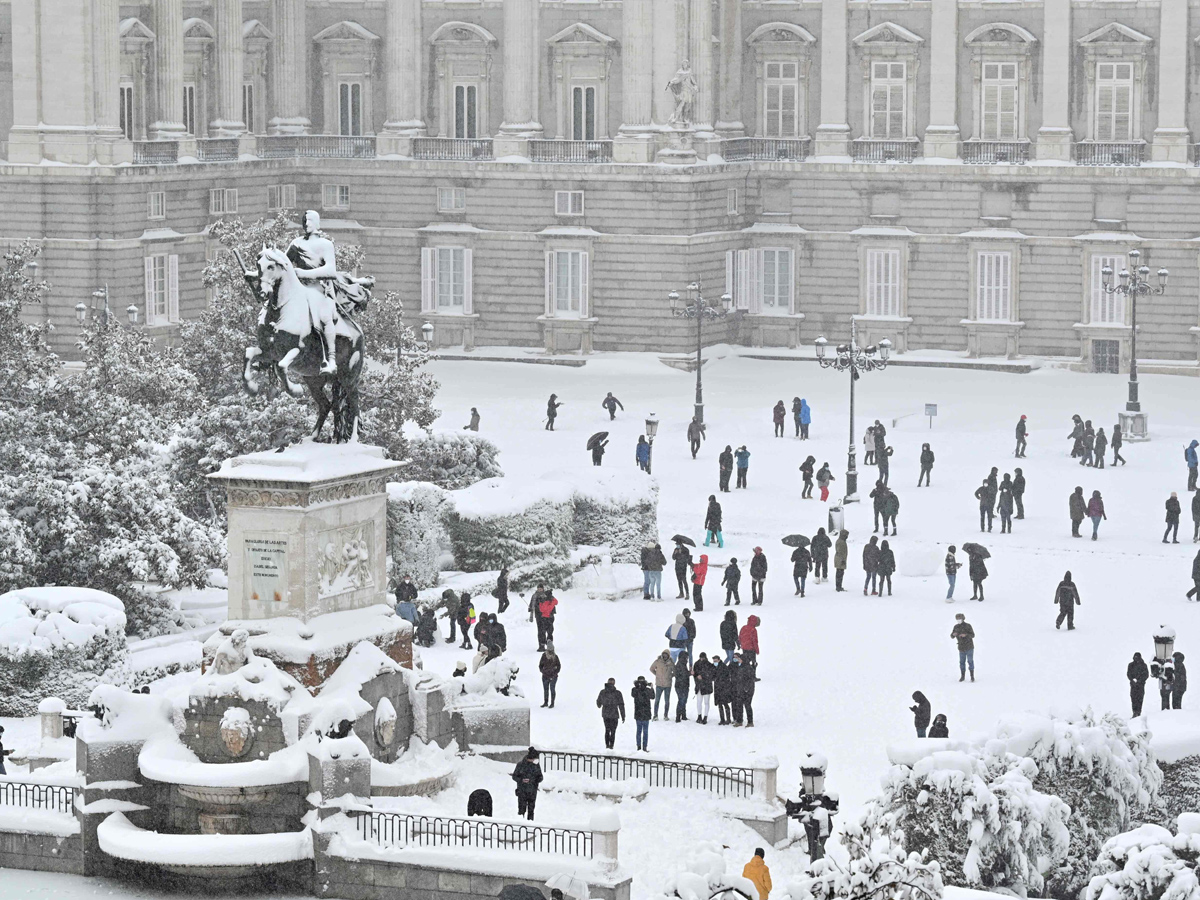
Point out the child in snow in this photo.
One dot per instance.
(939, 729)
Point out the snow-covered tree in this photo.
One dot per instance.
(416, 515)
(452, 461)
(1148, 863)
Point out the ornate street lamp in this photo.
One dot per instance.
(427, 334)
(850, 357)
(812, 773)
(699, 309)
(651, 431)
(99, 309)
(1135, 282)
(1164, 642)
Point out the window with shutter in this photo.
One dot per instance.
(883, 282)
(1114, 101)
(567, 275)
(428, 281)
(993, 286)
(777, 285)
(889, 94)
(162, 289)
(1107, 309)
(173, 288)
(450, 279)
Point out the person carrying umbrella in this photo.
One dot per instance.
(801, 560)
(611, 403)
(976, 554)
(596, 443)
(1066, 595)
(683, 561)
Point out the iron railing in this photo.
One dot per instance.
(217, 150)
(33, 795)
(571, 151)
(752, 148)
(388, 829)
(452, 148)
(877, 151)
(1110, 153)
(155, 153)
(726, 781)
(990, 152)
(316, 146)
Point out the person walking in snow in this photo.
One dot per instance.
(801, 560)
(877, 495)
(964, 634)
(1101, 447)
(1004, 505)
(473, 425)
(677, 637)
(977, 571)
(824, 477)
(611, 403)
(757, 873)
(805, 419)
(1117, 440)
(1089, 445)
(870, 561)
(729, 635)
(1019, 453)
(501, 590)
(1066, 595)
(702, 674)
(1196, 518)
(733, 577)
(1138, 674)
(869, 446)
(641, 454)
(1173, 512)
(891, 509)
(1095, 511)
(695, 434)
(939, 728)
(547, 609)
(796, 414)
(921, 711)
(758, 576)
(663, 672)
(1195, 591)
(952, 567)
(612, 708)
(926, 465)
(1192, 458)
(683, 561)
(723, 689)
(1077, 506)
(1018, 492)
(841, 557)
(806, 472)
(742, 456)
(748, 641)
(549, 665)
(1076, 436)
(819, 550)
(1179, 685)
(682, 676)
(552, 406)
(699, 576)
(778, 415)
(689, 625)
(983, 494)
(712, 522)
(598, 452)
(527, 775)
(887, 565)
(883, 461)
(643, 697)
(724, 469)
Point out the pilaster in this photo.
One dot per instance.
(729, 118)
(635, 138)
(833, 134)
(227, 22)
(700, 49)
(289, 55)
(1054, 138)
(402, 59)
(168, 70)
(521, 56)
(942, 134)
(1171, 137)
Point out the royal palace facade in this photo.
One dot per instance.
(954, 173)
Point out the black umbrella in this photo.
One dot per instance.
(729, 894)
(795, 540)
(521, 892)
(596, 439)
(976, 550)
(683, 539)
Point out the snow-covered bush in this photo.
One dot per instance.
(1148, 863)
(452, 461)
(61, 642)
(703, 873)
(617, 508)
(416, 514)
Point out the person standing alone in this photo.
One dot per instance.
(778, 416)
(1138, 674)
(926, 465)
(527, 775)
(952, 567)
(695, 434)
(758, 576)
(1192, 458)
(1067, 598)
(1117, 440)
(1021, 444)
(964, 634)
(841, 557)
(1173, 512)
(552, 406)
(612, 707)
(712, 522)
(611, 403)
(743, 465)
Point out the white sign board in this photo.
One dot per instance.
(266, 569)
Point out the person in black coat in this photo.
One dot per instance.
(722, 689)
(552, 406)
(986, 499)
(1196, 517)
(977, 570)
(712, 522)
(870, 559)
(643, 699)
(611, 403)
(1173, 512)
(921, 712)
(1117, 440)
(1066, 595)
(806, 470)
(1195, 591)
(926, 465)
(878, 495)
(743, 693)
(1021, 432)
(1076, 437)
(1018, 492)
(1101, 447)
(724, 468)
(702, 674)
(819, 551)
(501, 591)
(729, 635)
(527, 775)
(683, 561)
(612, 707)
(939, 728)
(801, 561)
(683, 685)
(758, 576)
(1180, 683)
(497, 635)
(1138, 674)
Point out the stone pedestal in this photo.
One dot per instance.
(1135, 426)
(680, 149)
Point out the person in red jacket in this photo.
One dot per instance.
(748, 638)
(545, 618)
(699, 573)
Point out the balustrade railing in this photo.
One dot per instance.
(468, 149)
(217, 150)
(992, 152)
(316, 146)
(34, 795)
(880, 151)
(388, 829)
(155, 153)
(1110, 153)
(726, 781)
(752, 148)
(571, 151)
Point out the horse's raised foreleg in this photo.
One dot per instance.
(249, 378)
(288, 358)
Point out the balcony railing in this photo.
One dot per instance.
(217, 150)
(877, 151)
(991, 152)
(753, 148)
(571, 151)
(316, 146)
(34, 795)
(727, 781)
(155, 153)
(452, 148)
(1110, 153)
(389, 829)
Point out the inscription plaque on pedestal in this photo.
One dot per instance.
(266, 569)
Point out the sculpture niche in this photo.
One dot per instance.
(306, 330)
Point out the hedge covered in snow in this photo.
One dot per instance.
(61, 642)
(1148, 863)
(617, 508)
(416, 520)
(452, 461)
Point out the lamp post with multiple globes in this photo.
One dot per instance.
(699, 309)
(1134, 283)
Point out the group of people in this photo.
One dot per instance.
(922, 711)
(1171, 675)
(976, 570)
(1090, 444)
(823, 478)
(801, 416)
(725, 465)
(1005, 496)
(876, 451)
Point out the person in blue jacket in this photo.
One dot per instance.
(643, 454)
(805, 419)
(1192, 460)
(742, 456)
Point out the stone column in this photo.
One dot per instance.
(522, 53)
(1171, 137)
(227, 22)
(107, 50)
(402, 60)
(700, 27)
(634, 138)
(670, 40)
(289, 62)
(729, 118)
(168, 70)
(1054, 137)
(941, 135)
(833, 134)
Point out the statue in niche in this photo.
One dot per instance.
(685, 89)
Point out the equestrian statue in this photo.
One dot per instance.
(306, 329)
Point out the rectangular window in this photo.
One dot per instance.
(162, 289)
(466, 111)
(281, 196)
(781, 99)
(248, 106)
(776, 282)
(222, 201)
(583, 113)
(731, 201)
(889, 94)
(189, 108)
(335, 196)
(993, 286)
(446, 281)
(883, 282)
(451, 199)
(568, 203)
(1114, 101)
(126, 111)
(999, 102)
(350, 108)
(156, 205)
(567, 283)
(1107, 309)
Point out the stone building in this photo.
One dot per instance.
(955, 173)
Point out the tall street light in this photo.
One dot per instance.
(651, 431)
(699, 309)
(854, 359)
(99, 309)
(1135, 282)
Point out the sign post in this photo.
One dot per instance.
(931, 411)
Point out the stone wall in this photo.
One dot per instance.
(41, 852)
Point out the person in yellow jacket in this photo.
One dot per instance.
(756, 870)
